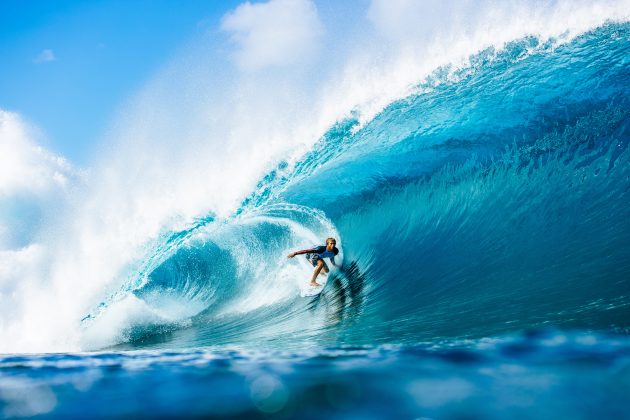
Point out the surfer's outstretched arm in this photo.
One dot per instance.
(304, 251)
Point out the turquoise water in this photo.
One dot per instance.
(485, 235)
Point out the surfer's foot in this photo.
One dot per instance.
(315, 284)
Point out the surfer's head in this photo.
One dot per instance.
(330, 245)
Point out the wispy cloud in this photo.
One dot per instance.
(45, 56)
(276, 33)
(30, 177)
(28, 167)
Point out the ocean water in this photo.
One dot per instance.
(484, 228)
(546, 374)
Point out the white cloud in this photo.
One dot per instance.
(277, 33)
(45, 56)
(30, 178)
(27, 167)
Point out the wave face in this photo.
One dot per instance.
(492, 199)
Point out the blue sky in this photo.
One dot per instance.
(68, 64)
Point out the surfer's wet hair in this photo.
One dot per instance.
(334, 241)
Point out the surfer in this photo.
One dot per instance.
(316, 257)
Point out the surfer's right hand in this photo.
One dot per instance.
(291, 255)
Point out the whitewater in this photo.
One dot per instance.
(475, 173)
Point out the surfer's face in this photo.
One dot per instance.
(330, 245)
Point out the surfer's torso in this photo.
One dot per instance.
(321, 252)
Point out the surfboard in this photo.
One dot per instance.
(307, 290)
(311, 291)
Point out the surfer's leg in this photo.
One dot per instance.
(324, 268)
(320, 265)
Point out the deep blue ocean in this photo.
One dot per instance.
(484, 228)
